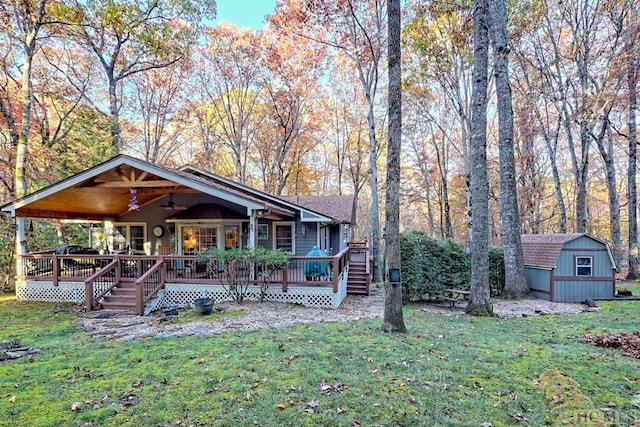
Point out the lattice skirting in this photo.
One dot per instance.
(27, 290)
(181, 294)
(184, 294)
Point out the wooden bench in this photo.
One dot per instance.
(449, 300)
(457, 293)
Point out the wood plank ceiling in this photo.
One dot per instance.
(104, 196)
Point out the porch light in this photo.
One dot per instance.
(133, 201)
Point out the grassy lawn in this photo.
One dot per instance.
(449, 370)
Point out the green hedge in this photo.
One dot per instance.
(429, 266)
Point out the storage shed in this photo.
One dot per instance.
(568, 267)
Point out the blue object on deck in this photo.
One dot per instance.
(316, 269)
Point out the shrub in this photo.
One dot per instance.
(243, 267)
(429, 266)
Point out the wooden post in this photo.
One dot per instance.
(139, 298)
(285, 278)
(335, 273)
(88, 295)
(55, 263)
(163, 271)
(118, 269)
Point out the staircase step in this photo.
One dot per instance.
(115, 298)
(119, 306)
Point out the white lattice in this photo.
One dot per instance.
(185, 294)
(27, 290)
(181, 294)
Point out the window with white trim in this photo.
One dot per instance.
(129, 237)
(584, 266)
(199, 238)
(283, 236)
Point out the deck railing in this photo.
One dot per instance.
(101, 283)
(149, 284)
(101, 273)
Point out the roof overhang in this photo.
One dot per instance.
(103, 192)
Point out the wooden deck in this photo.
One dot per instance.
(138, 278)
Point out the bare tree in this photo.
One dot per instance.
(631, 40)
(480, 299)
(133, 37)
(515, 282)
(393, 317)
(231, 85)
(26, 18)
(355, 28)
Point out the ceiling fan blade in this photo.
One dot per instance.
(171, 205)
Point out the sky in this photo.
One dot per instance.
(244, 13)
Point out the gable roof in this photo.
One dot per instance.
(543, 250)
(338, 207)
(103, 192)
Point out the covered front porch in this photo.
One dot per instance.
(150, 230)
(141, 283)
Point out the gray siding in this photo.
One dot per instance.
(567, 287)
(580, 290)
(584, 246)
(335, 238)
(310, 239)
(539, 282)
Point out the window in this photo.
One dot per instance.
(231, 237)
(584, 266)
(263, 231)
(283, 233)
(127, 237)
(199, 239)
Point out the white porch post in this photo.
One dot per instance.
(251, 241)
(21, 243)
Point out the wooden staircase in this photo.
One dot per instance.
(359, 280)
(122, 297)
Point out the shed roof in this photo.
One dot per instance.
(543, 250)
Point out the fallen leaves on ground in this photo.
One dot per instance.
(627, 343)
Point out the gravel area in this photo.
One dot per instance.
(113, 325)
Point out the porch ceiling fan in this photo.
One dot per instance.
(172, 206)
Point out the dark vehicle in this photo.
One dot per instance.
(43, 266)
(75, 265)
(75, 249)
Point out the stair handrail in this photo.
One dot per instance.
(144, 295)
(90, 299)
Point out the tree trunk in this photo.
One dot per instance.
(515, 282)
(610, 173)
(480, 300)
(634, 260)
(375, 201)
(114, 113)
(31, 29)
(393, 316)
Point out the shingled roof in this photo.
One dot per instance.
(337, 207)
(543, 250)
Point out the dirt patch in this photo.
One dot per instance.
(106, 325)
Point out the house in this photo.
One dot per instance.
(150, 223)
(568, 267)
